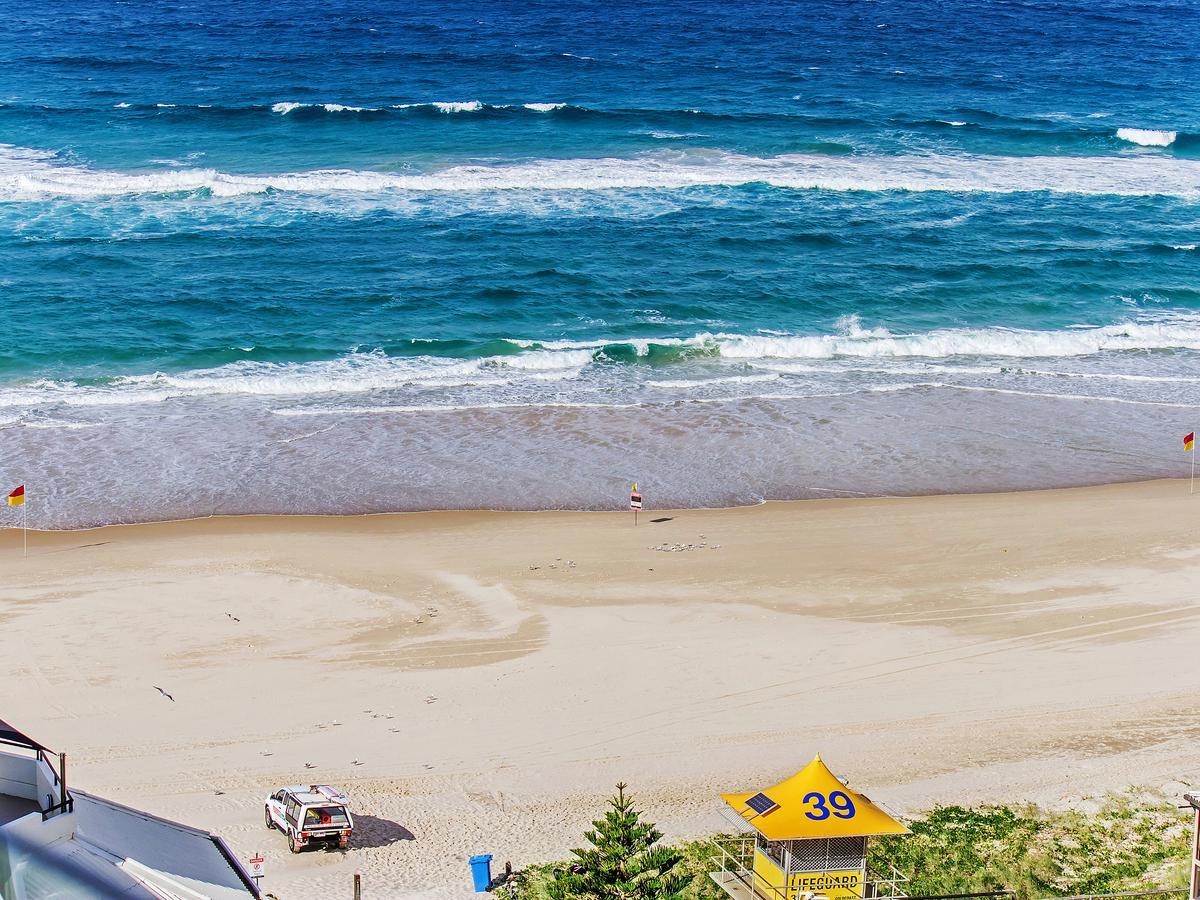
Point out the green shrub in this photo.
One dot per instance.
(1132, 842)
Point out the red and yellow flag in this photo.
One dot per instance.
(1189, 441)
(17, 497)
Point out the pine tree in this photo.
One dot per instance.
(623, 862)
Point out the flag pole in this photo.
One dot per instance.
(25, 525)
(1192, 488)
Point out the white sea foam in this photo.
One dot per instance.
(544, 107)
(1183, 246)
(120, 106)
(350, 374)
(452, 106)
(54, 424)
(954, 124)
(446, 407)
(354, 373)
(1088, 398)
(1146, 137)
(29, 174)
(950, 342)
(876, 351)
(688, 384)
(284, 108)
(584, 404)
(457, 106)
(542, 360)
(641, 346)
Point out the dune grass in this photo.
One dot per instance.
(1129, 841)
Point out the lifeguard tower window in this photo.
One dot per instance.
(829, 855)
(776, 850)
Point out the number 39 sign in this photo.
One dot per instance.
(837, 804)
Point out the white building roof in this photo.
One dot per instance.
(183, 855)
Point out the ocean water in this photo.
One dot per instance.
(362, 256)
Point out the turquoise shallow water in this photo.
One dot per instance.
(364, 256)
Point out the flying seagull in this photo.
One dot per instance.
(164, 693)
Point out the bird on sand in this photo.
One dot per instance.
(164, 693)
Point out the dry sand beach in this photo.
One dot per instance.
(478, 681)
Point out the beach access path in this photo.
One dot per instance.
(478, 682)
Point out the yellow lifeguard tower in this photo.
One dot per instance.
(809, 836)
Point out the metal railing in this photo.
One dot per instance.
(1152, 892)
(735, 858)
(66, 803)
(890, 882)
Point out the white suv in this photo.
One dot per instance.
(310, 814)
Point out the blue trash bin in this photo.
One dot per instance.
(481, 872)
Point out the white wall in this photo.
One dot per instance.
(18, 776)
(33, 830)
(46, 784)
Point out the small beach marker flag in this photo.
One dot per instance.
(1189, 445)
(17, 498)
(635, 501)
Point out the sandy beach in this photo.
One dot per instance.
(477, 682)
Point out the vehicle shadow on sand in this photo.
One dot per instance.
(372, 831)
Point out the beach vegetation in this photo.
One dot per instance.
(624, 861)
(1124, 842)
(1132, 841)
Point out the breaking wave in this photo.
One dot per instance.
(27, 174)
(856, 342)
(285, 108)
(512, 362)
(1146, 137)
(452, 106)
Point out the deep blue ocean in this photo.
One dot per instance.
(365, 256)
